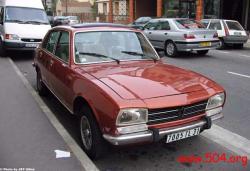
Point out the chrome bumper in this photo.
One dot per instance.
(189, 46)
(158, 134)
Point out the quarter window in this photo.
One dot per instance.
(163, 25)
(215, 25)
(151, 26)
(62, 47)
(51, 40)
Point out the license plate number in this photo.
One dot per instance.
(32, 45)
(182, 135)
(205, 44)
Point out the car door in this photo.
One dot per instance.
(45, 55)
(162, 33)
(61, 69)
(150, 31)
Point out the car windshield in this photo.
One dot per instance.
(233, 25)
(26, 15)
(101, 46)
(188, 24)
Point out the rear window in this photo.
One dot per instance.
(188, 24)
(233, 25)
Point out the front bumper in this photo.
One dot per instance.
(21, 45)
(155, 135)
(194, 46)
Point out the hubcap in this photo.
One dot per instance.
(39, 81)
(170, 48)
(86, 133)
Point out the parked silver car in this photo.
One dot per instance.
(229, 31)
(178, 34)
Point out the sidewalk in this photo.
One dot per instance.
(247, 44)
(28, 139)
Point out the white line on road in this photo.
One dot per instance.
(222, 51)
(241, 75)
(247, 56)
(229, 140)
(86, 163)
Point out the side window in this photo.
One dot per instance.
(215, 25)
(50, 41)
(163, 25)
(1, 15)
(62, 47)
(151, 26)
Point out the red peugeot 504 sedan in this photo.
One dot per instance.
(111, 76)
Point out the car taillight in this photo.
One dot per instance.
(226, 31)
(189, 36)
(216, 35)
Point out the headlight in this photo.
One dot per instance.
(11, 37)
(216, 101)
(132, 117)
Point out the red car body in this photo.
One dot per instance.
(109, 87)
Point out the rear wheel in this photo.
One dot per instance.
(92, 140)
(202, 52)
(222, 44)
(2, 49)
(40, 86)
(170, 49)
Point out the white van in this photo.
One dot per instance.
(23, 24)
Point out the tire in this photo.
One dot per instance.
(2, 49)
(170, 49)
(40, 86)
(91, 136)
(239, 46)
(202, 52)
(222, 44)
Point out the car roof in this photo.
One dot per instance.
(98, 27)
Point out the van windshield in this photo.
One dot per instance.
(26, 15)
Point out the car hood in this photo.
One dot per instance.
(146, 80)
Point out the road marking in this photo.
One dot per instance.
(84, 160)
(241, 75)
(229, 140)
(62, 154)
(222, 51)
(247, 56)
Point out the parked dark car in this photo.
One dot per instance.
(60, 20)
(140, 22)
(111, 77)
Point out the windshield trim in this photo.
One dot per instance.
(157, 57)
(9, 21)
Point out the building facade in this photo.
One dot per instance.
(196, 9)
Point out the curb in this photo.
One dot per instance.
(84, 160)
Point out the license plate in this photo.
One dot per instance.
(31, 45)
(205, 44)
(182, 135)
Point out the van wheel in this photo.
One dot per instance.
(2, 49)
(202, 52)
(170, 49)
(40, 86)
(91, 136)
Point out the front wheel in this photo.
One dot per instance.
(2, 49)
(170, 49)
(202, 52)
(92, 140)
(40, 87)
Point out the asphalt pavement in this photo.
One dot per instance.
(216, 65)
(28, 140)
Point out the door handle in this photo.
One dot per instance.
(165, 33)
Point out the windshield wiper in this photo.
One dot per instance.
(137, 54)
(99, 55)
(15, 21)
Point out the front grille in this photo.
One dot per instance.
(31, 40)
(156, 116)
